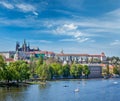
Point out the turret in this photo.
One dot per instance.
(103, 57)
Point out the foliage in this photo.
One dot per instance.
(40, 61)
(17, 71)
(32, 66)
(107, 70)
(66, 70)
(45, 72)
(2, 67)
(57, 69)
(76, 70)
(115, 70)
(86, 70)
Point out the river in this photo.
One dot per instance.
(89, 90)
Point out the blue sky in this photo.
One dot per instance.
(76, 26)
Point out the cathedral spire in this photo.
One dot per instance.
(17, 46)
(24, 42)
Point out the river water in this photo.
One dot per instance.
(89, 90)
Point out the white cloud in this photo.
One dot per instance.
(115, 43)
(45, 41)
(65, 29)
(70, 26)
(23, 7)
(67, 40)
(71, 30)
(82, 39)
(115, 13)
(40, 41)
(26, 7)
(7, 5)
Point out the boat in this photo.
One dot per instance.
(77, 90)
(65, 85)
(106, 77)
(115, 82)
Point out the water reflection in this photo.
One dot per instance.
(12, 93)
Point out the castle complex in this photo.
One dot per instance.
(25, 47)
(25, 52)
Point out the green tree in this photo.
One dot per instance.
(40, 61)
(86, 71)
(76, 70)
(66, 70)
(19, 69)
(24, 71)
(2, 67)
(32, 66)
(8, 73)
(45, 72)
(115, 70)
(57, 69)
(107, 70)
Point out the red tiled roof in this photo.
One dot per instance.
(95, 55)
(72, 55)
(41, 52)
(9, 59)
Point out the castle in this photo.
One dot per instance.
(25, 47)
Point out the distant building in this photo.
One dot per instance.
(7, 54)
(20, 55)
(80, 58)
(44, 54)
(95, 70)
(25, 47)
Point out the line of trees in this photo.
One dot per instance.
(115, 62)
(57, 70)
(19, 71)
(14, 71)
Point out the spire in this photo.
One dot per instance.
(17, 46)
(62, 51)
(28, 44)
(24, 41)
(28, 47)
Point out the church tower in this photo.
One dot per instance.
(28, 47)
(17, 46)
(24, 46)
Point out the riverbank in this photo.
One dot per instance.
(35, 81)
(15, 84)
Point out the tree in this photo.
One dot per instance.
(107, 69)
(32, 66)
(19, 70)
(76, 70)
(2, 67)
(57, 69)
(86, 71)
(24, 71)
(115, 70)
(45, 72)
(40, 61)
(66, 70)
(8, 74)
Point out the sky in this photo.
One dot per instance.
(74, 26)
